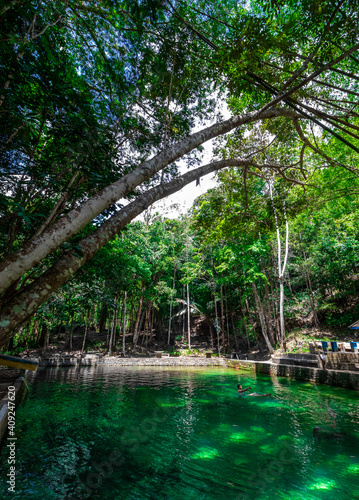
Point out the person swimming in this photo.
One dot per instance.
(241, 390)
(260, 395)
(254, 394)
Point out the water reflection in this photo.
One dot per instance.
(168, 433)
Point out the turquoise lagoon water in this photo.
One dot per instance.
(171, 433)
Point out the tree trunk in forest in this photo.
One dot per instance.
(42, 334)
(311, 299)
(36, 328)
(236, 342)
(93, 324)
(222, 321)
(276, 301)
(281, 268)
(183, 315)
(108, 332)
(267, 308)
(215, 303)
(86, 329)
(227, 319)
(46, 335)
(25, 336)
(281, 310)
(245, 325)
(103, 317)
(115, 330)
(217, 322)
(146, 327)
(289, 283)
(152, 322)
(261, 317)
(71, 332)
(113, 327)
(124, 324)
(210, 327)
(234, 330)
(188, 319)
(147, 322)
(170, 320)
(138, 317)
(244, 307)
(310, 289)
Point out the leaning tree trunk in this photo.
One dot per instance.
(39, 247)
(26, 302)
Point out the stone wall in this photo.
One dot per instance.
(167, 361)
(94, 359)
(339, 378)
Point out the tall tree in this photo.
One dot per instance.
(100, 101)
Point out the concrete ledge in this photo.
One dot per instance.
(338, 378)
(295, 362)
(168, 361)
(119, 361)
(20, 392)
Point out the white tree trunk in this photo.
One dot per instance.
(281, 268)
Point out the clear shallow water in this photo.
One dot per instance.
(142, 433)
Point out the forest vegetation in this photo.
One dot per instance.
(105, 108)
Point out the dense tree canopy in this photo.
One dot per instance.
(99, 101)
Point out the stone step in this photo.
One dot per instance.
(312, 363)
(300, 355)
(352, 367)
(343, 357)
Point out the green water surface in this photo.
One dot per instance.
(170, 433)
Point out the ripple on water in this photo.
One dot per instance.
(183, 434)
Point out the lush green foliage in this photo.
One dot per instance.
(89, 91)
